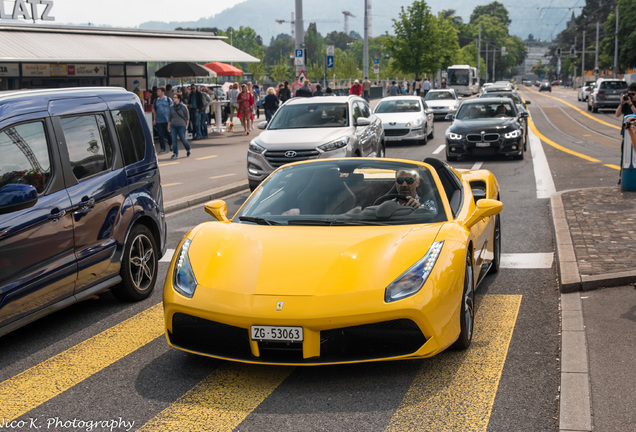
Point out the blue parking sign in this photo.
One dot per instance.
(329, 62)
(299, 53)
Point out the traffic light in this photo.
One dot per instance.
(558, 52)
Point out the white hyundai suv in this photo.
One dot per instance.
(312, 128)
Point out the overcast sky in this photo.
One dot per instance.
(129, 13)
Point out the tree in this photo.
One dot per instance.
(414, 36)
(314, 45)
(494, 9)
(339, 40)
(280, 71)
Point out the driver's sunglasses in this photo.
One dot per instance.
(408, 180)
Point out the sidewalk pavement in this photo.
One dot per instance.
(595, 235)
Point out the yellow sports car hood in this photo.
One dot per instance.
(304, 261)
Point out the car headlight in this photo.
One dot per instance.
(453, 136)
(412, 280)
(183, 279)
(416, 122)
(452, 108)
(334, 145)
(255, 148)
(513, 134)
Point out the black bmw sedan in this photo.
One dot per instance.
(482, 126)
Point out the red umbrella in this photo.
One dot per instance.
(223, 69)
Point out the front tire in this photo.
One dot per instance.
(139, 266)
(467, 314)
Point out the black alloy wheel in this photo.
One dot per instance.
(139, 266)
(467, 314)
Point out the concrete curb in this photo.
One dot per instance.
(575, 410)
(569, 278)
(192, 200)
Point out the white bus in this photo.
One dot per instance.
(464, 79)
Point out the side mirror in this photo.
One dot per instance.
(14, 197)
(527, 102)
(450, 117)
(262, 125)
(484, 208)
(217, 209)
(363, 121)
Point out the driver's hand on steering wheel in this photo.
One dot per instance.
(411, 202)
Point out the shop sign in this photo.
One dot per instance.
(28, 10)
(58, 70)
(36, 70)
(86, 70)
(9, 70)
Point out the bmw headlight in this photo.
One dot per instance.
(453, 136)
(183, 279)
(416, 122)
(513, 134)
(255, 148)
(412, 280)
(334, 145)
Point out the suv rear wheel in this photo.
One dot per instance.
(139, 266)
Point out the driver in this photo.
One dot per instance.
(406, 182)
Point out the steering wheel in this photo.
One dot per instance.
(390, 196)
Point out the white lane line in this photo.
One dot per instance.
(168, 256)
(439, 149)
(527, 260)
(477, 165)
(542, 174)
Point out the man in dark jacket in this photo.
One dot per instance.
(305, 90)
(195, 103)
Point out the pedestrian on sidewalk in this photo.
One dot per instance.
(270, 103)
(160, 117)
(179, 120)
(626, 107)
(366, 88)
(245, 102)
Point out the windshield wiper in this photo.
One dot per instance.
(333, 222)
(257, 220)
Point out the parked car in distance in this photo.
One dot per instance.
(81, 204)
(405, 118)
(585, 90)
(491, 126)
(606, 94)
(314, 128)
(545, 86)
(442, 102)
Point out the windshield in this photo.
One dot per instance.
(501, 109)
(439, 95)
(313, 115)
(458, 76)
(398, 106)
(344, 192)
(515, 97)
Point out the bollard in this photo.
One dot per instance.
(628, 164)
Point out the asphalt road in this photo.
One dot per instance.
(104, 361)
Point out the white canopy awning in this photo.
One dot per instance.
(35, 43)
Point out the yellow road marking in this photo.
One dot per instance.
(170, 184)
(616, 167)
(221, 176)
(558, 146)
(207, 157)
(578, 109)
(34, 386)
(221, 401)
(168, 164)
(455, 391)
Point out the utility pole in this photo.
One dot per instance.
(365, 54)
(583, 60)
(494, 57)
(300, 32)
(615, 73)
(479, 55)
(596, 55)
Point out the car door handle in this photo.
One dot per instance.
(86, 203)
(57, 215)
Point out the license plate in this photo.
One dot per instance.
(279, 334)
(390, 138)
(482, 144)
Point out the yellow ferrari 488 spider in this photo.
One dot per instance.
(338, 261)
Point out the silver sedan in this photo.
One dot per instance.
(405, 118)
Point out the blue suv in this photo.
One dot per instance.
(81, 205)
